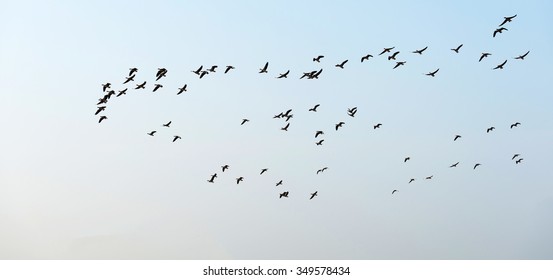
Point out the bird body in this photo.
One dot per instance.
(341, 65)
(284, 194)
(484, 55)
(393, 56)
(244, 121)
(167, 124)
(318, 132)
(229, 67)
(225, 167)
(421, 50)
(239, 179)
(433, 73)
(314, 109)
(156, 87)
(279, 183)
(264, 69)
(476, 165)
(399, 63)
(340, 124)
(152, 133)
(490, 129)
(285, 128)
(318, 58)
(521, 57)
(500, 66)
(182, 89)
(386, 50)
(378, 125)
(176, 137)
(365, 57)
(320, 142)
(313, 195)
(263, 171)
(454, 165)
(102, 118)
(456, 137)
(499, 30)
(507, 19)
(142, 85)
(457, 48)
(515, 125)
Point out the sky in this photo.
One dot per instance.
(73, 188)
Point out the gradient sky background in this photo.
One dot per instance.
(73, 188)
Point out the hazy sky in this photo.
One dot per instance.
(73, 188)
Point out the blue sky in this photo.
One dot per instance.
(73, 188)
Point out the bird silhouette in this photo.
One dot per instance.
(176, 137)
(182, 89)
(366, 57)
(102, 108)
(263, 171)
(205, 72)
(406, 159)
(314, 109)
(307, 74)
(421, 50)
(129, 79)
(132, 71)
(152, 133)
(500, 66)
(521, 57)
(102, 118)
(244, 121)
(412, 180)
(476, 165)
(313, 195)
(394, 191)
(340, 124)
(198, 71)
(484, 55)
(167, 124)
(322, 170)
(105, 86)
(490, 129)
(432, 73)
(518, 160)
(318, 132)
(515, 125)
(121, 92)
(211, 180)
(457, 49)
(285, 128)
(279, 183)
(454, 165)
(378, 125)
(283, 75)
(386, 50)
(315, 75)
(225, 167)
(264, 69)
(515, 156)
(229, 67)
(212, 69)
(456, 137)
(320, 142)
(284, 194)
(341, 65)
(393, 56)
(352, 113)
(507, 19)
(318, 58)
(399, 63)
(499, 30)
(161, 72)
(239, 179)
(142, 85)
(429, 177)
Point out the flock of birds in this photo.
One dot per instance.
(287, 115)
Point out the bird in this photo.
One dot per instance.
(307, 74)
(432, 73)
(278, 116)
(132, 71)
(264, 69)
(102, 118)
(421, 50)
(412, 180)
(490, 129)
(289, 117)
(406, 159)
(314, 109)
(229, 67)
(176, 137)
(499, 30)
(182, 89)
(205, 72)
(500, 66)
(239, 179)
(211, 180)
(322, 170)
(515, 125)
(386, 50)
(484, 55)
(378, 125)
(515, 156)
(287, 113)
(152, 133)
(105, 86)
(285, 128)
(128, 79)
(156, 87)
(393, 56)
(244, 121)
(456, 137)
(318, 132)
(167, 124)
(338, 125)
(284, 194)
(429, 177)
(315, 75)
(341, 65)
(313, 195)
(518, 160)
(352, 113)
(507, 19)
(279, 183)
(394, 191)
(225, 167)
(283, 75)
(457, 49)
(121, 92)
(212, 69)
(160, 73)
(197, 71)
(263, 171)
(454, 165)
(521, 57)
(399, 63)
(320, 142)
(476, 165)
(318, 58)
(102, 108)
(142, 85)
(366, 57)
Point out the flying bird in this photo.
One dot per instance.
(182, 89)
(322, 170)
(313, 195)
(518, 160)
(393, 56)
(121, 92)
(284, 194)
(399, 63)
(320, 142)
(102, 118)
(507, 19)
(263, 171)
(285, 128)
(176, 137)
(406, 159)
(156, 87)
(229, 67)
(412, 180)
(160, 73)
(279, 183)
(490, 129)
(394, 191)
(128, 79)
(456, 137)
(152, 133)
(167, 124)
(500, 66)
(132, 71)
(515, 156)
(457, 49)
(432, 73)
(476, 165)
(338, 125)
(205, 72)
(239, 179)
(314, 109)
(454, 165)
(225, 167)
(142, 85)
(521, 57)
(386, 50)
(212, 69)
(341, 65)
(102, 108)
(264, 69)
(105, 86)
(515, 125)
(499, 30)
(197, 71)
(484, 55)
(378, 125)
(352, 113)
(211, 180)
(244, 121)
(283, 75)
(318, 58)
(318, 132)
(421, 50)
(429, 177)
(366, 57)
